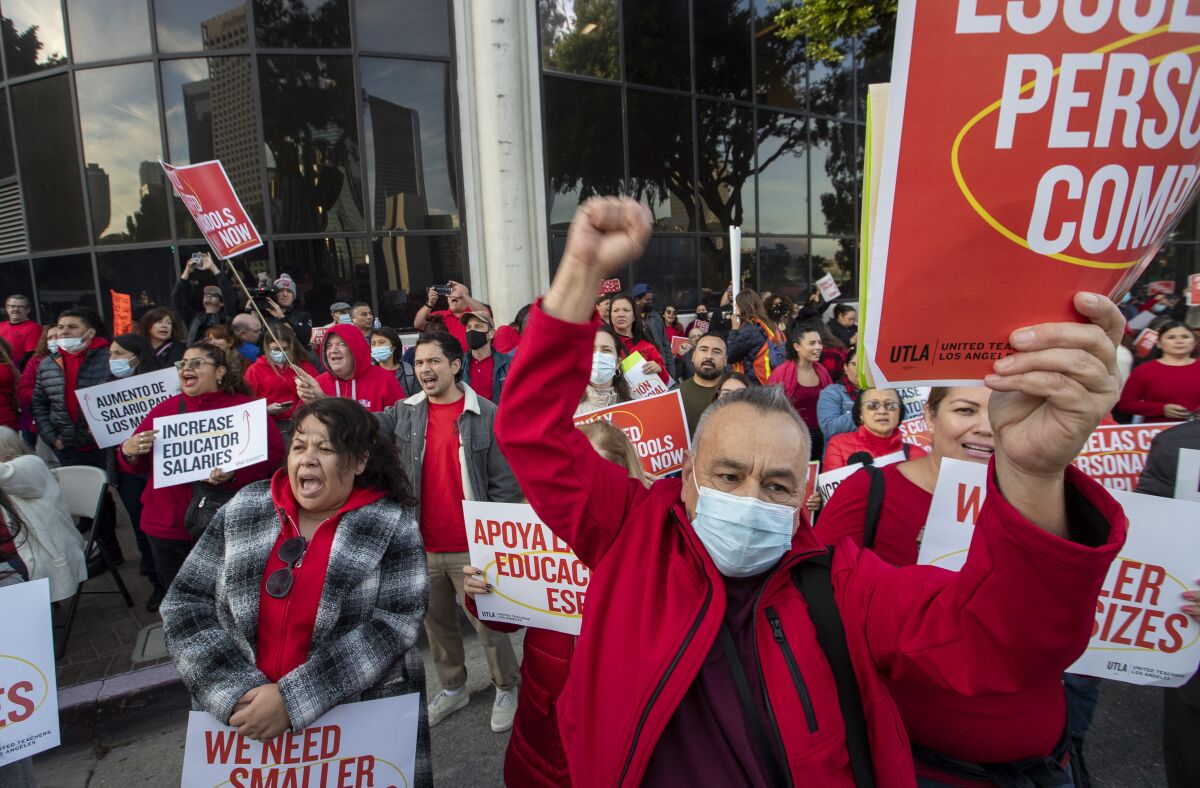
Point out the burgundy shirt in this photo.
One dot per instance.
(707, 741)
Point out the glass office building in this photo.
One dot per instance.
(353, 134)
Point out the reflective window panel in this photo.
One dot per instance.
(836, 168)
(579, 37)
(108, 29)
(209, 109)
(783, 267)
(831, 85)
(34, 36)
(583, 144)
(416, 27)
(302, 23)
(121, 147)
(656, 43)
(782, 173)
(875, 66)
(15, 279)
(837, 256)
(660, 158)
(326, 270)
(313, 160)
(64, 282)
(406, 266)
(781, 65)
(669, 267)
(716, 266)
(8, 163)
(726, 176)
(411, 154)
(201, 25)
(49, 158)
(145, 275)
(723, 45)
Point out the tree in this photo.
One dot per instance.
(23, 49)
(827, 23)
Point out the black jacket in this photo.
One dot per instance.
(50, 406)
(198, 321)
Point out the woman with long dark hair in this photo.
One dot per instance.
(626, 321)
(803, 378)
(1166, 388)
(307, 591)
(508, 337)
(754, 332)
(273, 378)
(209, 382)
(606, 386)
(165, 332)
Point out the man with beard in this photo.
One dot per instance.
(708, 359)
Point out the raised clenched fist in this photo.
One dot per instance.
(608, 233)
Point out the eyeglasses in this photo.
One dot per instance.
(193, 364)
(877, 405)
(279, 582)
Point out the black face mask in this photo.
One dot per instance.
(476, 339)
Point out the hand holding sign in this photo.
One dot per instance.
(1051, 395)
(260, 714)
(307, 387)
(139, 444)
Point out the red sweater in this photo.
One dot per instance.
(372, 387)
(163, 508)
(648, 351)
(803, 398)
(285, 626)
(649, 631)
(1154, 385)
(842, 445)
(276, 384)
(1002, 727)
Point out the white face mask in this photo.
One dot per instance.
(743, 536)
(604, 368)
(71, 344)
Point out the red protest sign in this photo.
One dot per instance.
(1052, 151)
(680, 345)
(1193, 290)
(122, 312)
(1161, 287)
(1115, 454)
(209, 197)
(656, 425)
(1145, 343)
(609, 286)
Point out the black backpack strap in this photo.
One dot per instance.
(813, 579)
(874, 505)
(758, 733)
(907, 449)
(182, 404)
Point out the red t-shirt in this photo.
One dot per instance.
(442, 525)
(481, 375)
(454, 326)
(22, 337)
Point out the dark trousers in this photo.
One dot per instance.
(106, 524)
(169, 555)
(130, 487)
(1181, 733)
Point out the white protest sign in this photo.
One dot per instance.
(28, 687)
(115, 409)
(190, 446)
(372, 743)
(830, 480)
(735, 262)
(957, 500)
(1187, 475)
(641, 384)
(1139, 635)
(913, 428)
(536, 580)
(828, 287)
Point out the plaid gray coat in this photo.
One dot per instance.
(364, 638)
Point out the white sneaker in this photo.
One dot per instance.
(504, 709)
(444, 705)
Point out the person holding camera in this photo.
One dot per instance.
(281, 304)
(459, 302)
(216, 300)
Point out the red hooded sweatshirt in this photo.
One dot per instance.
(276, 384)
(373, 387)
(163, 508)
(70, 366)
(285, 626)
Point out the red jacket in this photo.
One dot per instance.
(163, 508)
(372, 387)
(648, 351)
(656, 600)
(535, 756)
(842, 445)
(276, 384)
(9, 410)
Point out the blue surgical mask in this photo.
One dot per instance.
(1127, 298)
(120, 367)
(52, 344)
(604, 368)
(277, 356)
(1158, 309)
(344, 319)
(381, 354)
(743, 536)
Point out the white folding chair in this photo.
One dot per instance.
(84, 488)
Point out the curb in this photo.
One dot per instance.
(87, 710)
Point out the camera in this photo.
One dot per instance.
(263, 292)
(443, 290)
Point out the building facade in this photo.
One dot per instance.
(383, 146)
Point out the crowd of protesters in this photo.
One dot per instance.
(733, 648)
